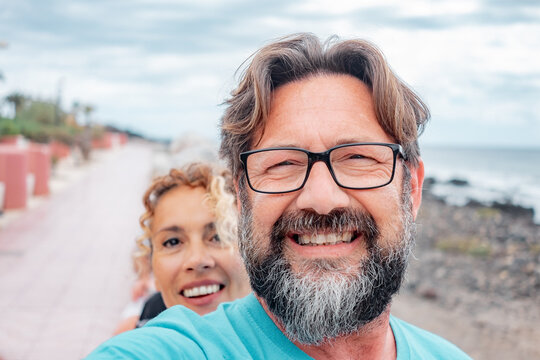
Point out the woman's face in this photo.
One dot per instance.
(190, 265)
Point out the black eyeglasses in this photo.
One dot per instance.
(357, 166)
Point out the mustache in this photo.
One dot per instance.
(336, 221)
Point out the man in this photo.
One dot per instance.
(322, 142)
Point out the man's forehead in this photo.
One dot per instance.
(303, 90)
(333, 143)
(336, 109)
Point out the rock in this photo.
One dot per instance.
(429, 293)
(474, 203)
(428, 183)
(458, 182)
(514, 210)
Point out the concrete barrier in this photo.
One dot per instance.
(39, 164)
(13, 171)
(16, 140)
(59, 150)
(110, 140)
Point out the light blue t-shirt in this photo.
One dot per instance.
(242, 330)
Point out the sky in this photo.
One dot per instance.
(164, 67)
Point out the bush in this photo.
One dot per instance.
(34, 131)
(469, 245)
(65, 134)
(9, 127)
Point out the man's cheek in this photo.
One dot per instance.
(383, 205)
(267, 210)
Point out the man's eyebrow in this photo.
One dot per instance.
(352, 141)
(172, 228)
(280, 146)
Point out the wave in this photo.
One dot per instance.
(490, 175)
(486, 188)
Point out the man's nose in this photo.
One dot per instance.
(320, 192)
(198, 257)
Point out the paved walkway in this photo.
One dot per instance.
(65, 268)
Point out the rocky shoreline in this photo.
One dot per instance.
(481, 263)
(491, 249)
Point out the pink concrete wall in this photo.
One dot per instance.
(59, 150)
(39, 164)
(13, 170)
(109, 140)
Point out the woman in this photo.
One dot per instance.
(190, 226)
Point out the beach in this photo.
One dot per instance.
(475, 277)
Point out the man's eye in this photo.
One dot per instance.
(286, 165)
(357, 159)
(171, 242)
(282, 163)
(216, 238)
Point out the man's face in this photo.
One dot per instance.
(316, 114)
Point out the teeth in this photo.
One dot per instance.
(325, 239)
(201, 290)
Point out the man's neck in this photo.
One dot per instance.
(375, 341)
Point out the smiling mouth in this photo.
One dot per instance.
(325, 239)
(200, 291)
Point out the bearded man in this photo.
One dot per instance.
(322, 142)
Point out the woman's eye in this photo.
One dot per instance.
(215, 238)
(171, 242)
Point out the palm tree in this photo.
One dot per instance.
(87, 110)
(18, 100)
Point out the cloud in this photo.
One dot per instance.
(496, 109)
(165, 66)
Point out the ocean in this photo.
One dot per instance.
(507, 175)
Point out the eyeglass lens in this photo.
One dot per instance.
(354, 166)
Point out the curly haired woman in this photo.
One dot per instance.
(190, 226)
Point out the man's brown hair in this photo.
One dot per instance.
(400, 112)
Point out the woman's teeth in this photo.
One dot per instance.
(201, 291)
(325, 239)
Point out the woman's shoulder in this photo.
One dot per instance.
(153, 306)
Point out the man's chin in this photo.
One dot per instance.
(323, 298)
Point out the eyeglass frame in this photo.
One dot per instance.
(323, 156)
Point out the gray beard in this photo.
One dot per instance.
(325, 298)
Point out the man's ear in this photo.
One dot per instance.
(417, 181)
(236, 188)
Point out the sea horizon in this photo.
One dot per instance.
(487, 174)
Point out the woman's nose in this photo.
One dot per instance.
(198, 257)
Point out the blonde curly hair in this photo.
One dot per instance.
(220, 196)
